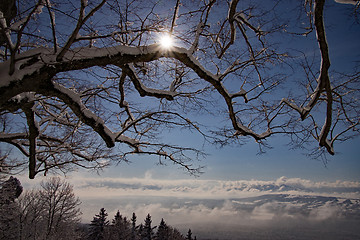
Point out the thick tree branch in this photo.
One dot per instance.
(80, 93)
(323, 81)
(73, 100)
(33, 134)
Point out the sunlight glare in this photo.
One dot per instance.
(166, 41)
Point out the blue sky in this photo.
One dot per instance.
(234, 174)
(226, 166)
(244, 162)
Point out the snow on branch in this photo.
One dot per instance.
(323, 81)
(72, 99)
(215, 64)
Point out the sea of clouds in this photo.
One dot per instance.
(284, 207)
(198, 188)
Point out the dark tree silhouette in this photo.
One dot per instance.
(120, 227)
(148, 230)
(189, 235)
(162, 231)
(86, 83)
(134, 228)
(98, 226)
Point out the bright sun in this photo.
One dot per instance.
(166, 41)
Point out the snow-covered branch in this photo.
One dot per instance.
(323, 81)
(65, 103)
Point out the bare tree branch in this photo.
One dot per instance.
(65, 102)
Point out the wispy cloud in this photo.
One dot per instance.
(195, 188)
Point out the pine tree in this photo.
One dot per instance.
(175, 234)
(98, 226)
(148, 231)
(189, 235)
(141, 231)
(163, 231)
(117, 218)
(134, 228)
(116, 226)
(120, 227)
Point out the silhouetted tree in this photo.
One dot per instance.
(189, 235)
(162, 231)
(175, 234)
(141, 231)
(148, 230)
(134, 228)
(98, 226)
(120, 228)
(31, 215)
(227, 58)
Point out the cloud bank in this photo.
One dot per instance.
(195, 188)
(268, 215)
(244, 209)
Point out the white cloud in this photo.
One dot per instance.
(148, 174)
(186, 214)
(147, 195)
(208, 204)
(190, 212)
(96, 187)
(197, 188)
(327, 211)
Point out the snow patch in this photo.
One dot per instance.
(353, 2)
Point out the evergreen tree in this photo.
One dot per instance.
(126, 228)
(162, 231)
(120, 228)
(117, 218)
(116, 227)
(148, 231)
(174, 234)
(189, 235)
(141, 231)
(98, 226)
(134, 228)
